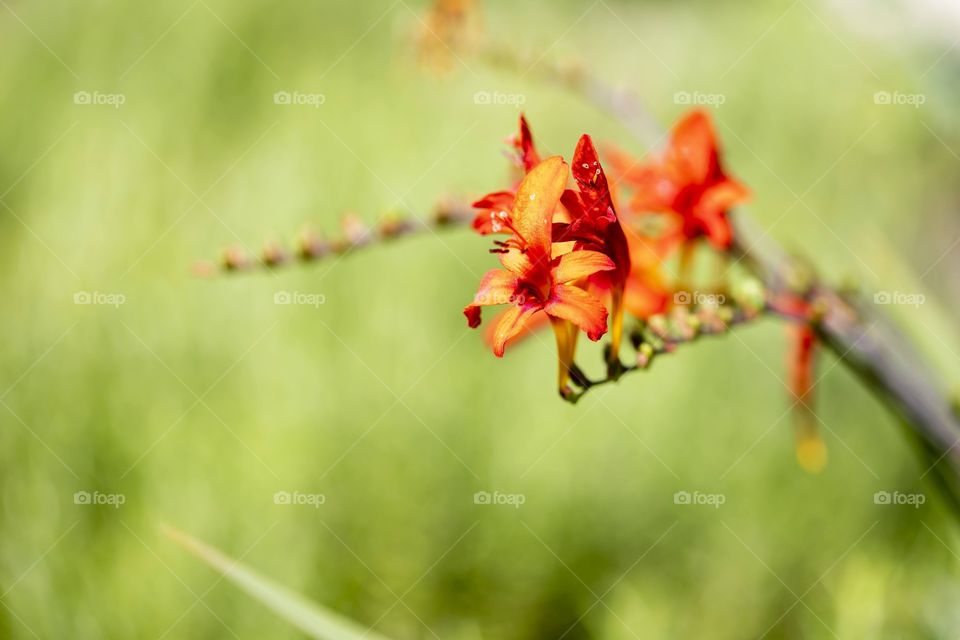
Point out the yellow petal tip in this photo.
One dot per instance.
(812, 454)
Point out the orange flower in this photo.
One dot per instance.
(688, 181)
(535, 280)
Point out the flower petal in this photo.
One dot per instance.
(717, 229)
(495, 212)
(511, 323)
(579, 307)
(693, 153)
(530, 325)
(589, 176)
(496, 287)
(580, 264)
(723, 196)
(528, 153)
(516, 261)
(495, 200)
(537, 197)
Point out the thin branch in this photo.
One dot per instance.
(311, 247)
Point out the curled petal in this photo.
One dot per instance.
(495, 200)
(530, 325)
(580, 264)
(579, 307)
(511, 323)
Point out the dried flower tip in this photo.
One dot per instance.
(393, 226)
(339, 245)
(311, 246)
(355, 231)
(273, 254)
(444, 213)
(235, 259)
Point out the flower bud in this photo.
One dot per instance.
(750, 295)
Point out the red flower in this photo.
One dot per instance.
(687, 181)
(495, 207)
(594, 226)
(536, 280)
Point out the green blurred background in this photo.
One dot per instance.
(198, 400)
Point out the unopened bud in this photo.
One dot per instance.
(273, 254)
(659, 326)
(750, 295)
(311, 246)
(644, 355)
(393, 226)
(355, 231)
(235, 258)
(725, 315)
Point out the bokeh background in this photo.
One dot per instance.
(198, 400)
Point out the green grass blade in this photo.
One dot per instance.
(309, 617)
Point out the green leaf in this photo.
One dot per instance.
(314, 620)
